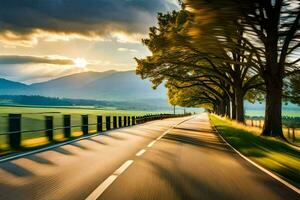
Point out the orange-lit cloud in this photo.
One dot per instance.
(18, 59)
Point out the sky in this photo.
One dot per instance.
(45, 39)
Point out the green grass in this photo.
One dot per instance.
(270, 153)
(33, 119)
(257, 130)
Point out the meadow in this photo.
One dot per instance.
(33, 118)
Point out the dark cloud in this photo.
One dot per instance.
(16, 59)
(84, 17)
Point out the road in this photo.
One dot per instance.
(152, 161)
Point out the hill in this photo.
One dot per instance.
(108, 86)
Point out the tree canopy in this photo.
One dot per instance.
(216, 54)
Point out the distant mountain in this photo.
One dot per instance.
(77, 80)
(12, 87)
(7, 84)
(124, 85)
(20, 100)
(109, 85)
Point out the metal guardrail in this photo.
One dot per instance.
(15, 131)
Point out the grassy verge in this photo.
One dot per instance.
(270, 153)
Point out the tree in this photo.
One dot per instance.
(272, 29)
(294, 86)
(185, 58)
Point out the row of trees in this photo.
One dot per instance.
(216, 54)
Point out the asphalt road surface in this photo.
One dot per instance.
(172, 159)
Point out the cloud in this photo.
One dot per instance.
(32, 69)
(32, 73)
(127, 50)
(17, 59)
(27, 22)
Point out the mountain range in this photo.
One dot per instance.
(124, 88)
(109, 86)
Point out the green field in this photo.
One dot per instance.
(33, 119)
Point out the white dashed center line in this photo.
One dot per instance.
(141, 152)
(152, 143)
(104, 185)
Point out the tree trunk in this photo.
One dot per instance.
(273, 124)
(222, 108)
(228, 109)
(239, 103)
(227, 106)
(233, 109)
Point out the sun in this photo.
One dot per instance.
(80, 63)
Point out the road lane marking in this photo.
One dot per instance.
(152, 143)
(141, 152)
(102, 187)
(105, 184)
(123, 167)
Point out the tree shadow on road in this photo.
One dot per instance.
(187, 187)
(197, 142)
(195, 130)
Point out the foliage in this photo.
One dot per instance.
(186, 55)
(295, 89)
(272, 35)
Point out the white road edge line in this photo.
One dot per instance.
(105, 184)
(287, 184)
(151, 144)
(141, 152)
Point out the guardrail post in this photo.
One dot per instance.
(49, 127)
(107, 121)
(85, 124)
(289, 135)
(99, 124)
(115, 122)
(14, 128)
(251, 122)
(67, 126)
(120, 121)
(133, 120)
(128, 120)
(125, 121)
